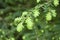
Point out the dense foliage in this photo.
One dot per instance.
(29, 20)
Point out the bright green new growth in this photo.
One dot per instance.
(20, 27)
(56, 2)
(53, 13)
(24, 13)
(38, 1)
(48, 16)
(29, 23)
(36, 13)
